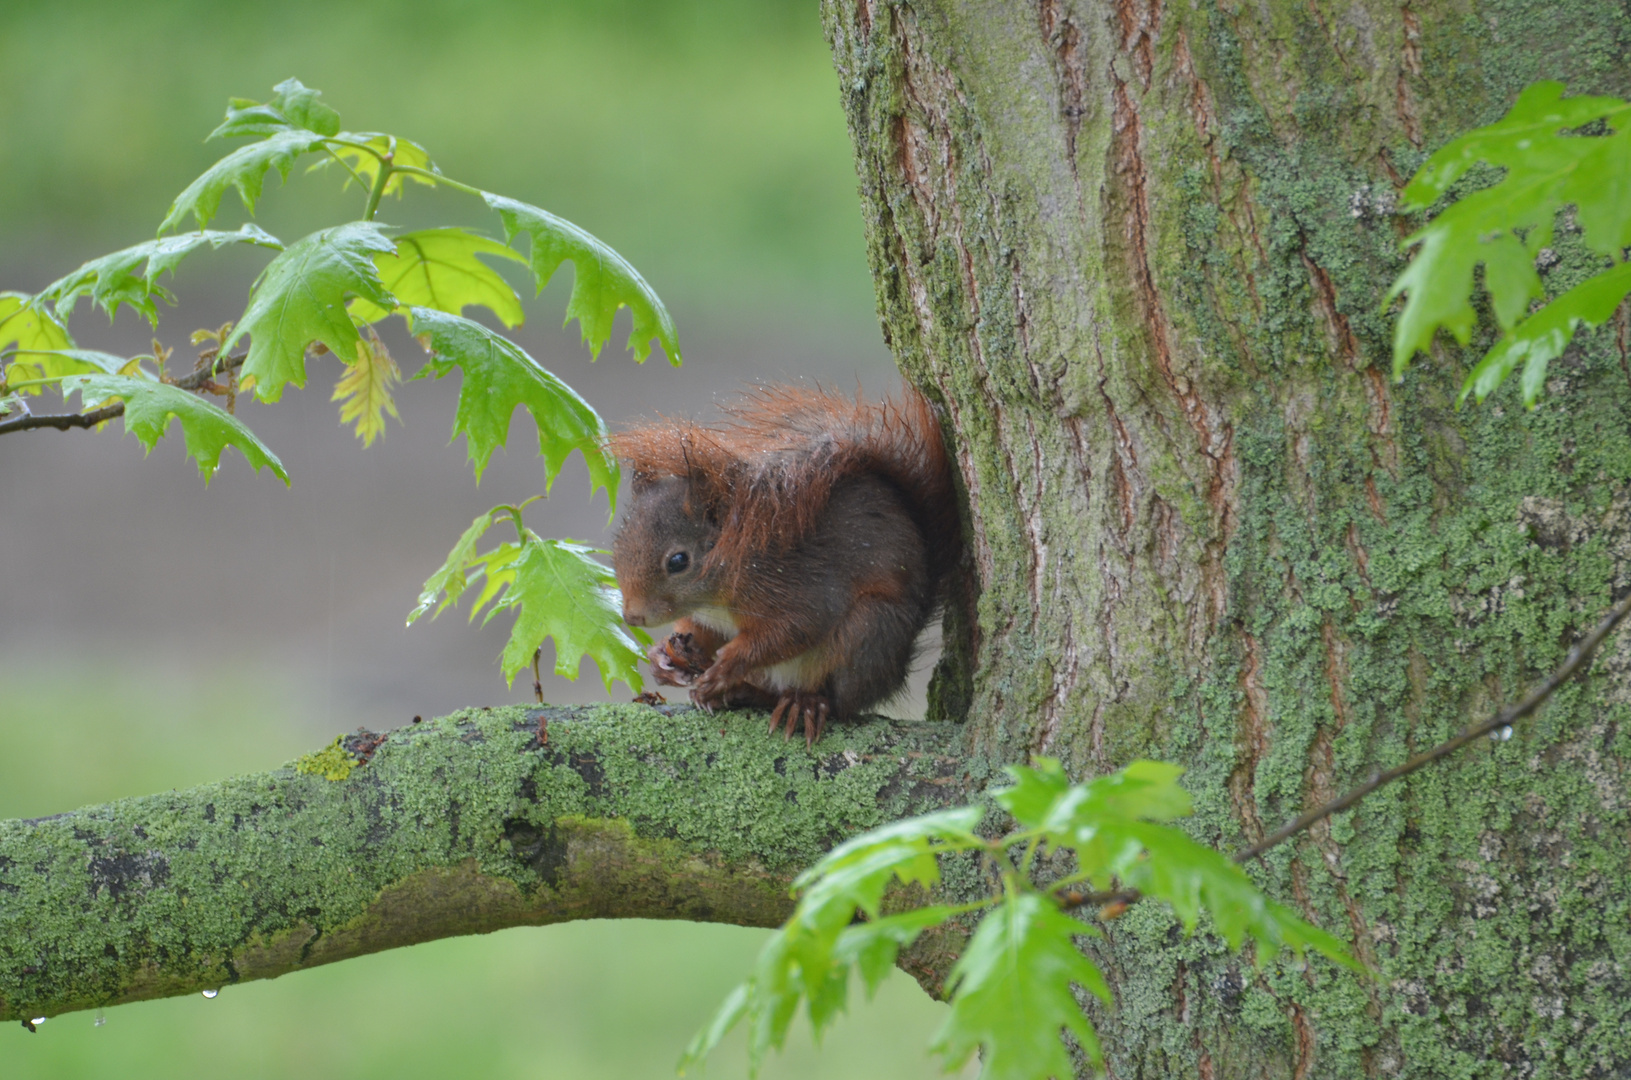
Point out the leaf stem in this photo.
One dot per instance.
(515, 515)
(35, 382)
(355, 175)
(380, 179)
(438, 178)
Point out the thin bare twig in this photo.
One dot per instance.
(200, 379)
(1578, 660)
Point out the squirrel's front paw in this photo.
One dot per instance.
(708, 693)
(796, 705)
(677, 660)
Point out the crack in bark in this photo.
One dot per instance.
(1214, 439)
(1064, 40)
(1403, 99)
(1140, 22)
(1251, 741)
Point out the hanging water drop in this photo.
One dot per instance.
(211, 993)
(38, 1020)
(1506, 733)
(100, 1020)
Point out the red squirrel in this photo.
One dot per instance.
(799, 547)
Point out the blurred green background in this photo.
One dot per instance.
(155, 634)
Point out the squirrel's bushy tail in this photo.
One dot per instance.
(768, 470)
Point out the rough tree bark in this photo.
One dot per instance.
(1136, 251)
(462, 825)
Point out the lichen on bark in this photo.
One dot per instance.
(1136, 251)
(462, 825)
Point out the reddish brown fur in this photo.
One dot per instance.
(771, 467)
(817, 532)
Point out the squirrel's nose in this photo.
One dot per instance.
(634, 614)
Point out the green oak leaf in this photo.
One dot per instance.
(559, 591)
(361, 151)
(301, 297)
(438, 268)
(498, 376)
(855, 873)
(1535, 119)
(1165, 863)
(1044, 798)
(245, 169)
(1542, 337)
(1011, 993)
(871, 946)
(451, 577)
(811, 956)
(40, 340)
(1547, 166)
(115, 279)
(149, 405)
(602, 281)
(91, 362)
(293, 106)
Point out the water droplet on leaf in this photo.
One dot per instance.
(211, 993)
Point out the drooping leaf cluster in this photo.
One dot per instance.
(555, 588)
(1011, 990)
(323, 295)
(1550, 164)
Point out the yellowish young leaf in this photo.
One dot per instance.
(37, 336)
(365, 389)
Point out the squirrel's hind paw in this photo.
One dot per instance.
(796, 705)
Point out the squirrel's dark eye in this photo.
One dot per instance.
(677, 562)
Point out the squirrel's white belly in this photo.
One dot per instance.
(805, 671)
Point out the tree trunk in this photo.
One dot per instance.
(1136, 252)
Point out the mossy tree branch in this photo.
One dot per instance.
(463, 825)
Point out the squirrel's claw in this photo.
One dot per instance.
(798, 705)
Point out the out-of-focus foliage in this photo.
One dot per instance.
(323, 292)
(719, 117)
(1011, 990)
(1552, 159)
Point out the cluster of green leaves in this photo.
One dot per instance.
(556, 589)
(1549, 164)
(326, 292)
(1011, 989)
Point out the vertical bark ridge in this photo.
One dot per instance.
(1136, 251)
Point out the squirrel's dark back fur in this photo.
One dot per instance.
(765, 474)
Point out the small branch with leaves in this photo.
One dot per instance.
(324, 295)
(201, 379)
(1010, 990)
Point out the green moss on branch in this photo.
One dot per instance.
(462, 825)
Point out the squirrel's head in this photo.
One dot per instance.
(661, 549)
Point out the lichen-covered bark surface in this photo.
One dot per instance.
(1136, 251)
(461, 825)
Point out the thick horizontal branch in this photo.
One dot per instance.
(463, 825)
(66, 421)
